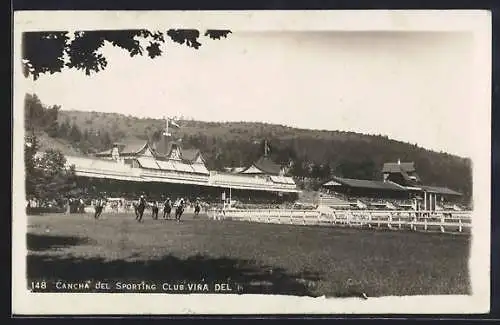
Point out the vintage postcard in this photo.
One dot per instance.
(260, 162)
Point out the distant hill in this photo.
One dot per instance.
(310, 153)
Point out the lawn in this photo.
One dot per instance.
(265, 258)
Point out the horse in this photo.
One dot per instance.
(154, 209)
(99, 206)
(139, 210)
(167, 208)
(179, 211)
(197, 209)
(114, 206)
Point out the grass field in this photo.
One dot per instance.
(265, 258)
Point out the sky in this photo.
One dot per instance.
(409, 86)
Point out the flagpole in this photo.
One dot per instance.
(166, 127)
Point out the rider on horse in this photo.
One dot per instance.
(179, 210)
(155, 209)
(140, 208)
(197, 207)
(167, 208)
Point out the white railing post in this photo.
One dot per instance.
(399, 220)
(426, 215)
(441, 227)
(389, 224)
(369, 220)
(460, 223)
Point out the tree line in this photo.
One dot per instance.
(311, 156)
(39, 117)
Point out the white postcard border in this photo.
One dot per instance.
(478, 22)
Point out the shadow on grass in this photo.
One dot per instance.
(254, 278)
(38, 243)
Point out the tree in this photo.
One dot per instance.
(54, 180)
(37, 116)
(106, 140)
(298, 169)
(47, 177)
(43, 52)
(53, 129)
(64, 128)
(366, 169)
(30, 149)
(75, 134)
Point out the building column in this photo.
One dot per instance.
(425, 201)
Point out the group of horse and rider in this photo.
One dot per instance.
(141, 204)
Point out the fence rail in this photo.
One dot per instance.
(442, 221)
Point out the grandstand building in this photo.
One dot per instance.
(165, 168)
(401, 187)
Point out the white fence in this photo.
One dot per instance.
(412, 220)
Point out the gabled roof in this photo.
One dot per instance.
(363, 183)
(407, 167)
(266, 165)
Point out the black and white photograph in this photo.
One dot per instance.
(319, 162)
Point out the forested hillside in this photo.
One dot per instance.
(312, 154)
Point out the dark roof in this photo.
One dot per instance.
(363, 183)
(189, 154)
(163, 149)
(439, 190)
(132, 147)
(407, 167)
(129, 148)
(268, 166)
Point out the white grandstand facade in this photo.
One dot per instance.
(167, 165)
